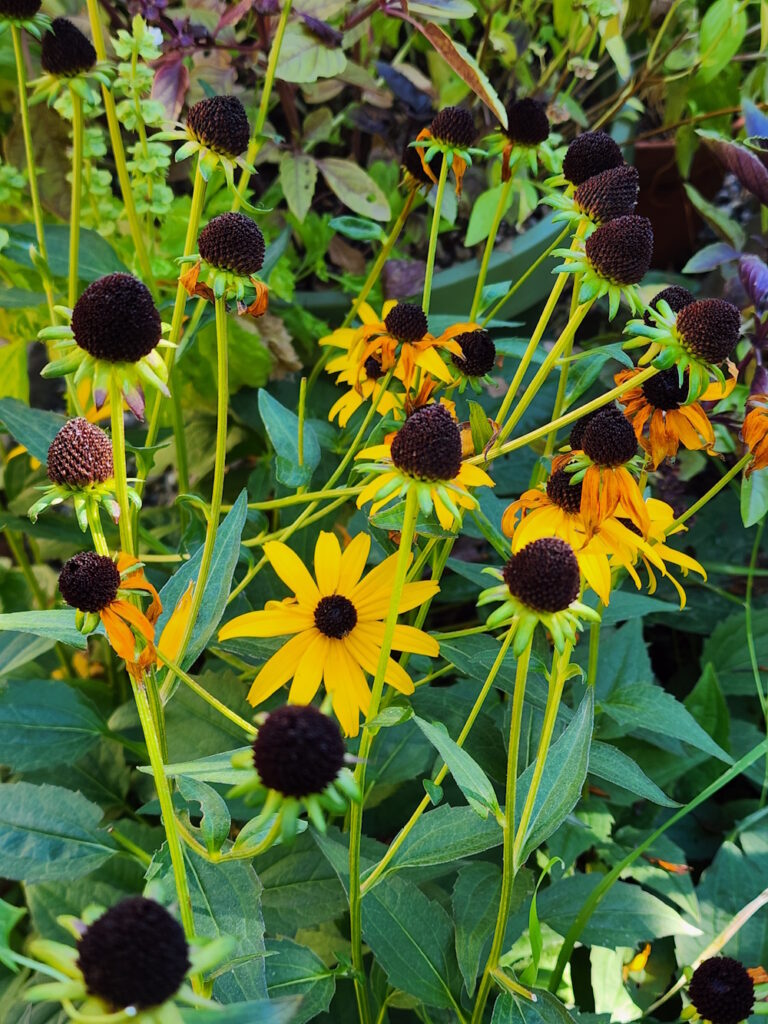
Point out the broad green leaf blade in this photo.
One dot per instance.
(282, 426)
(467, 774)
(45, 723)
(547, 1009)
(301, 889)
(226, 552)
(355, 188)
(33, 428)
(613, 765)
(9, 918)
(17, 649)
(97, 257)
(56, 624)
(259, 1011)
(216, 820)
(50, 834)
(754, 497)
(304, 59)
(298, 177)
(295, 971)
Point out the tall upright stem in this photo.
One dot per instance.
(490, 241)
(490, 315)
(356, 811)
(37, 212)
(77, 189)
(713, 491)
(434, 231)
(118, 456)
(118, 152)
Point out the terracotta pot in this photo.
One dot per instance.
(676, 223)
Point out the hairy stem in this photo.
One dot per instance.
(434, 231)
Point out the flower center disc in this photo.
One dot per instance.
(335, 616)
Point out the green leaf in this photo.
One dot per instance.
(294, 970)
(727, 651)
(54, 624)
(467, 774)
(215, 768)
(282, 426)
(303, 58)
(50, 834)
(216, 820)
(709, 707)
(45, 723)
(360, 229)
(14, 373)
(226, 552)
(722, 33)
(298, 177)
(33, 428)
(483, 212)
(9, 918)
(355, 188)
(479, 426)
(613, 765)
(531, 973)
(720, 222)
(547, 1009)
(259, 1011)
(476, 897)
(301, 889)
(97, 257)
(754, 497)
(20, 298)
(17, 649)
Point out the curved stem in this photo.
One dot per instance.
(118, 456)
(524, 277)
(490, 241)
(713, 491)
(77, 189)
(34, 194)
(356, 810)
(434, 231)
(195, 687)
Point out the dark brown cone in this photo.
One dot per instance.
(115, 319)
(621, 249)
(89, 582)
(65, 51)
(80, 454)
(609, 194)
(298, 751)
(544, 575)
(455, 126)
(428, 445)
(233, 242)
(589, 154)
(709, 328)
(221, 124)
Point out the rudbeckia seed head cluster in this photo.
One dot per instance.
(65, 51)
(454, 126)
(709, 328)
(621, 249)
(589, 154)
(79, 455)
(609, 194)
(89, 582)
(19, 9)
(664, 390)
(478, 353)
(220, 123)
(406, 322)
(544, 575)
(527, 122)
(428, 445)
(298, 751)
(564, 492)
(722, 991)
(609, 439)
(233, 242)
(676, 298)
(115, 319)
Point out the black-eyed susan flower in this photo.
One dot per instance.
(414, 175)
(130, 963)
(80, 468)
(99, 589)
(68, 60)
(298, 761)
(661, 418)
(217, 129)
(722, 991)
(365, 383)
(425, 454)
(698, 338)
(114, 329)
(540, 584)
(477, 359)
(603, 197)
(451, 133)
(754, 432)
(335, 624)
(612, 261)
(230, 254)
(24, 14)
(607, 450)
(589, 154)
(525, 137)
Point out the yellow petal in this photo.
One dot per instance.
(327, 563)
(173, 633)
(279, 668)
(309, 671)
(292, 571)
(353, 560)
(416, 594)
(284, 622)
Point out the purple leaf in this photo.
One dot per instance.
(754, 277)
(744, 165)
(170, 84)
(233, 14)
(711, 257)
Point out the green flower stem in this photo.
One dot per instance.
(536, 337)
(301, 499)
(118, 152)
(266, 93)
(222, 405)
(490, 241)
(509, 861)
(118, 455)
(77, 191)
(607, 880)
(177, 320)
(594, 647)
(195, 687)
(434, 231)
(16, 545)
(182, 462)
(37, 212)
(97, 530)
(356, 810)
(713, 491)
(563, 421)
(376, 873)
(163, 788)
(562, 343)
(524, 277)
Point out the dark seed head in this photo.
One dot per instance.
(221, 124)
(609, 194)
(589, 154)
(428, 445)
(609, 439)
(621, 249)
(722, 991)
(576, 435)
(335, 616)
(19, 10)
(89, 582)
(478, 353)
(677, 298)
(563, 492)
(373, 368)
(709, 328)
(115, 319)
(406, 322)
(134, 955)
(544, 575)
(298, 751)
(664, 390)
(527, 122)
(80, 454)
(454, 126)
(65, 50)
(233, 242)
(412, 163)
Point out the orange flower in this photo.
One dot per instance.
(754, 433)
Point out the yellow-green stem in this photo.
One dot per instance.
(195, 687)
(713, 491)
(435, 230)
(594, 647)
(97, 530)
(524, 277)
(508, 857)
(77, 189)
(34, 193)
(118, 455)
(266, 92)
(356, 812)
(118, 152)
(490, 241)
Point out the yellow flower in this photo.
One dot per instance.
(335, 623)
